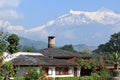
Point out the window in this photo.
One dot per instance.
(70, 70)
(45, 70)
(61, 70)
(50, 71)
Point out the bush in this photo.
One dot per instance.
(67, 78)
(41, 74)
(8, 68)
(32, 74)
(86, 78)
(50, 78)
(19, 78)
(95, 76)
(104, 74)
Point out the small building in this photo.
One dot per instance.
(54, 61)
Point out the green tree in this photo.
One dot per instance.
(8, 68)
(3, 41)
(41, 74)
(13, 40)
(29, 49)
(3, 45)
(68, 48)
(113, 45)
(32, 74)
(115, 59)
(86, 52)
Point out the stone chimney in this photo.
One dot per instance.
(51, 41)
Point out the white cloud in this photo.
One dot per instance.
(15, 28)
(40, 28)
(105, 17)
(50, 23)
(9, 3)
(4, 24)
(9, 14)
(9, 27)
(36, 29)
(8, 9)
(102, 16)
(75, 12)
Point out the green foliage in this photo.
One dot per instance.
(86, 78)
(67, 78)
(28, 49)
(104, 74)
(32, 74)
(99, 61)
(85, 64)
(8, 68)
(13, 39)
(95, 76)
(41, 74)
(85, 52)
(113, 45)
(3, 41)
(2, 47)
(19, 78)
(68, 48)
(115, 59)
(1, 78)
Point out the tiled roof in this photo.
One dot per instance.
(28, 60)
(55, 52)
(12, 56)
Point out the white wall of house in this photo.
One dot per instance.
(78, 71)
(52, 72)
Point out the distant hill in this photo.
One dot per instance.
(82, 47)
(24, 42)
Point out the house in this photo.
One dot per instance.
(54, 61)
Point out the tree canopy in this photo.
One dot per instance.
(3, 41)
(113, 45)
(68, 48)
(13, 40)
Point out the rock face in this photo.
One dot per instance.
(116, 74)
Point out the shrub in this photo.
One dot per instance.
(32, 74)
(67, 78)
(95, 76)
(19, 78)
(8, 68)
(86, 78)
(104, 74)
(41, 74)
(50, 78)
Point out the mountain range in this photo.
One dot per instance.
(82, 47)
(24, 42)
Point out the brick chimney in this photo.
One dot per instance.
(51, 41)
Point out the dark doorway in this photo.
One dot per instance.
(85, 72)
(75, 71)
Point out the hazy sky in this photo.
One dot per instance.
(88, 22)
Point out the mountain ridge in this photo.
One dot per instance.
(37, 45)
(25, 42)
(82, 47)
